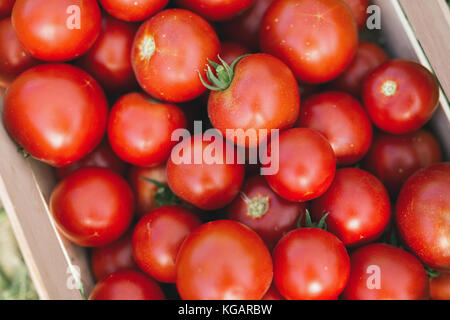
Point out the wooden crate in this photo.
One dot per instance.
(26, 184)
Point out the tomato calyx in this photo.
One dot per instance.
(257, 206)
(431, 273)
(310, 224)
(163, 195)
(24, 152)
(224, 74)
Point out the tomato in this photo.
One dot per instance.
(155, 249)
(359, 10)
(317, 39)
(231, 51)
(113, 257)
(6, 8)
(272, 294)
(423, 215)
(127, 285)
(13, 57)
(102, 156)
(133, 10)
(92, 207)
(56, 112)
(310, 264)
(140, 129)
(262, 94)
(342, 120)
(357, 204)
(400, 96)
(168, 52)
(71, 27)
(440, 287)
(109, 59)
(206, 185)
(394, 158)
(306, 165)
(384, 272)
(223, 260)
(216, 9)
(265, 212)
(368, 57)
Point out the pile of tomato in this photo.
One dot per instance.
(359, 207)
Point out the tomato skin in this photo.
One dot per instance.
(154, 248)
(273, 294)
(317, 39)
(342, 120)
(127, 285)
(92, 207)
(271, 223)
(139, 130)
(422, 215)
(306, 165)
(402, 276)
(6, 8)
(359, 10)
(244, 106)
(400, 96)
(369, 56)
(56, 112)
(300, 259)
(168, 51)
(231, 51)
(223, 260)
(394, 158)
(440, 287)
(215, 10)
(358, 206)
(133, 10)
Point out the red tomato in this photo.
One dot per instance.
(423, 215)
(216, 9)
(6, 8)
(342, 120)
(56, 112)
(92, 207)
(400, 96)
(440, 287)
(310, 264)
(109, 59)
(140, 129)
(359, 10)
(113, 257)
(368, 57)
(265, 212)
(13, 57)
(357, 204)
(168, 52)
(317, 39)
(206, 185)
(273, 294)
(383, 272)
(262, 94)
(102, 156)
(306, 165)
(155, 248)
(57, 30)
(394, 158)
(127, 285)
(223, 260)
(231, 51)
(133, 10)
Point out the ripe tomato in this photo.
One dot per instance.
(273, 294)
(113, 257)
(6, 8)
(133, 10)
(265, 212)
(223, 260)
(56, 112)
(357, 204)
(140, 129)
(92, 207)
(155, 249)
(231, 51)
(368, 57)
(109, 59)
(342, 120)
(306, 165)
(56, 30)
(168, 52)
(384, 272)
(359, 10)
(400, 96)
(216, 10)
(394, 158)
(423, 215)
(272, 101)
(440, 287)
(317, 39)
(206, 185)
(310, 264)
(13, 57)
(127, 285)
